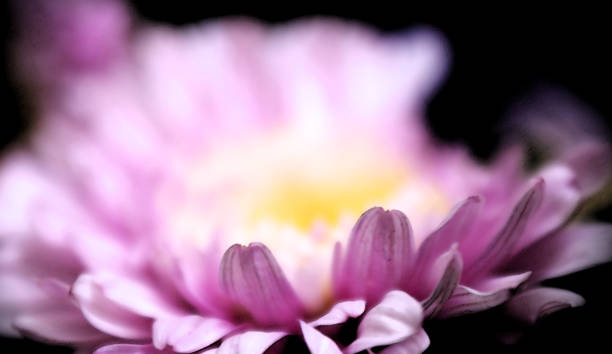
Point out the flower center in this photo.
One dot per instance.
(325, 191)
(283, 178)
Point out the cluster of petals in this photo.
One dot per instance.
(84, 260)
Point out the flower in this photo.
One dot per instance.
(197, 190)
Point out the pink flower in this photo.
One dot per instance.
(197, 190)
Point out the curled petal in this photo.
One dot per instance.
(415, 344)
(494, 291)
(447, 283)
(340, 313)
(397, 317)
(251, 342)
(466, 300)
(379, 254)
(253, 280)
(317, 342)
(570, 250)
(189, 333)
(532, 304)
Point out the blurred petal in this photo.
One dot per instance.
(195, 274)
(555, 121)
(592, 166)
(20, 294)
(70, 36)
(137, 296)
(570, 250)
(532, 304)
(23, 183)
(58, 326)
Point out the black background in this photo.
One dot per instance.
(499, 55)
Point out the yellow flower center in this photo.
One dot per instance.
(304, 198)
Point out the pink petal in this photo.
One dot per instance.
(67, 326)
(128, 349)
(560, 201)
(137, 296)
(575, 248)
(195, 274)
(557, 121)
(534, 303)
(106, 315)
(317, 342)
(251, 342)
(378, 256)
(492, 292)
(592, 166)
(101, 182)
(19, 294)
(506, 170)
(78, 36)
(336, 70)
(162, 328)
(448, 281)
(189, 333)
(252, 278)
(501, 246)
(45, 311)
(397, 317)
(415, 344)
(496, 283)
(23, 183)
(451, 231)
(340, 313)
(55, 288)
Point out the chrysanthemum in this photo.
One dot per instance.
(201, 190)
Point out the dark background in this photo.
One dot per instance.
(498, 56)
